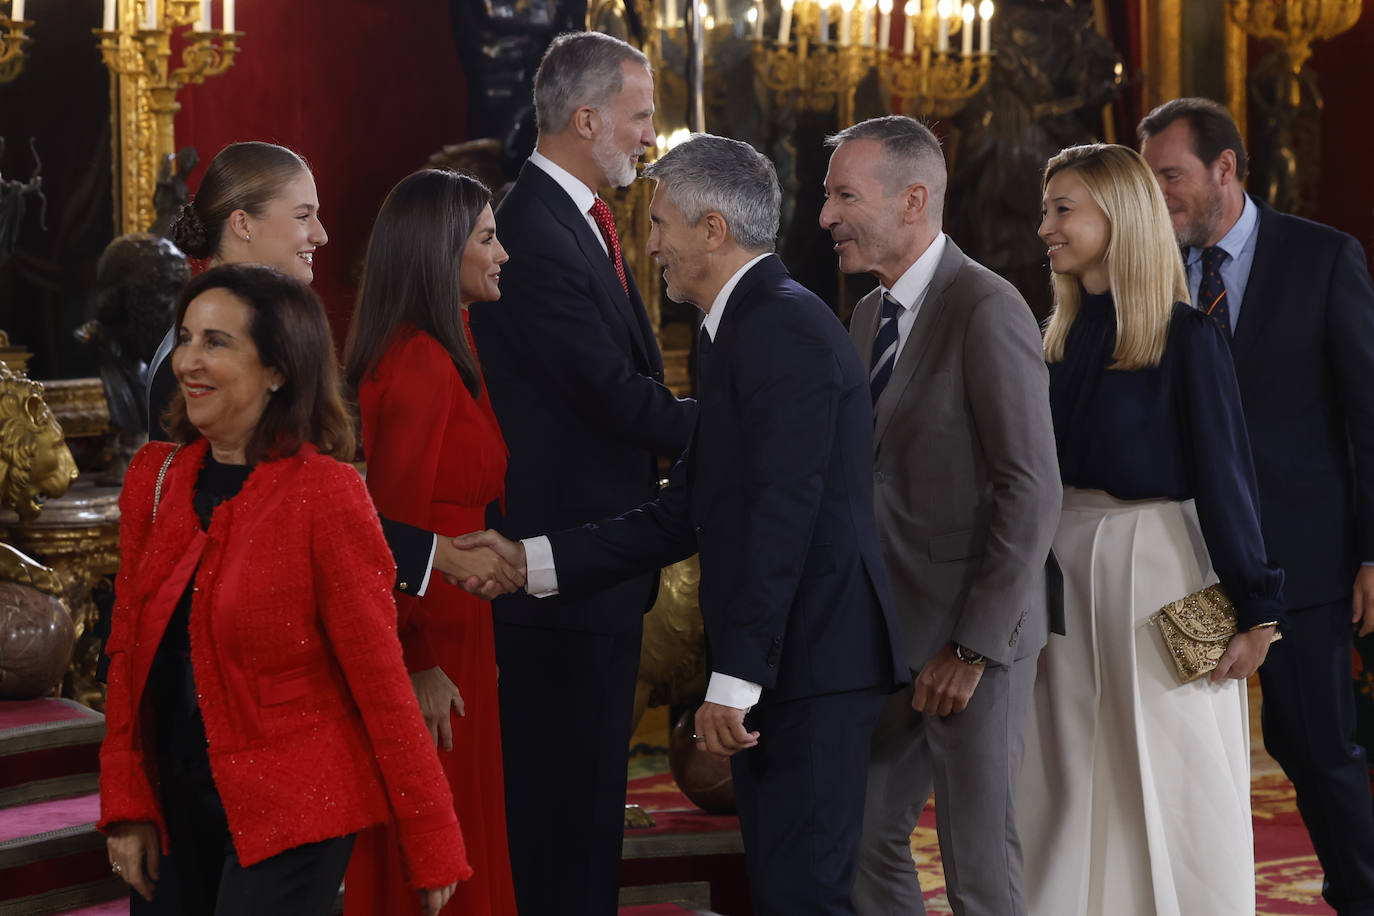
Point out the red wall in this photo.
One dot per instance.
(1345, 75)
(365, 91)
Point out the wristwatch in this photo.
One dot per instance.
(968, 656)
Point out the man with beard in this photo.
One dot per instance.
(1295, 299)
(576, 381)
(966, 487)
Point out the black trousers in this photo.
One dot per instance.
(800, 795)
(203, 877)
(1308, 719)
(567, 700)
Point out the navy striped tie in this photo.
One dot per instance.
(884, 347)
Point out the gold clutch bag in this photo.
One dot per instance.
(1196, 630)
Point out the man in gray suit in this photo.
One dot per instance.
(966, 482)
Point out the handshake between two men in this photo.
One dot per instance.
(482, 562)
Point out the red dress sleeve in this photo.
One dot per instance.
(405, 406)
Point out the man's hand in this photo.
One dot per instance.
(1244, 654)
(482, 562)
(945, 684)
(437, 694)
(721, 729)
(1362, 605)
(129, 846)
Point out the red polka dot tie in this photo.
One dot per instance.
(1211, 294)
(606, 223)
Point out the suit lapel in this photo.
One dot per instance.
(864, 324)
(1266, 272)
(918, 341)
(589, 243)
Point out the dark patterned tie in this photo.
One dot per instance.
(1211, 293)
(703, 348)
(606, 223)
(884, 347)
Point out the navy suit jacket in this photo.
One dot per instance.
(576, 380)
(776, 493)
(1304, 354)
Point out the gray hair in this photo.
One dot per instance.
(912, 151)
(707, 173)
(580, 68)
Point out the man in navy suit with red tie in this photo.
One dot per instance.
(1296, 300)
(576, 380)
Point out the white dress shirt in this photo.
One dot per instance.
(541, 578)
(911, 287)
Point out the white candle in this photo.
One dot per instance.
(825, 21)
(17, 11)
(109, 22)
(884, 23)
(203, 23)
(846, 10)
(912, 10)
(785, 24)
(722, 15)
(756, 17)
(985, 13)
(150, 14)
(966, 32)
(866, 37)
(946, 12)
(228, 15)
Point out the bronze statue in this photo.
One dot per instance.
(13, 195)
(171, 193)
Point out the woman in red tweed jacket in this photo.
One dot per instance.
(259, 711)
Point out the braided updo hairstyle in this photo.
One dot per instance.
(244, 176)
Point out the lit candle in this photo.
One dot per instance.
(866, 37)
(825, 21)
(756, 19)
(203, 23)
(884, 23)
(912, 9)
(150, 9)
(228, 15)
(109, 22)
(946, 13)
(985, 14)
(785, 23)
(17, 11)
(966, 32)
(846, 9)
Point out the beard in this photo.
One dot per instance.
(1203, 224)
(614, 164)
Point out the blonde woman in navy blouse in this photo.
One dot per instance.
(1135, 793)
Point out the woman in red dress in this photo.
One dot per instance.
(435, 459)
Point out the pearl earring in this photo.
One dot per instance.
(246, 236)
(274, 387)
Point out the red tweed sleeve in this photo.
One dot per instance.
(126, 792)
(353, 574)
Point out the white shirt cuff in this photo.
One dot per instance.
(541, 579)
(737, 693)
(429, 568)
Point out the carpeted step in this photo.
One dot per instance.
(49, 749)
(52, 859)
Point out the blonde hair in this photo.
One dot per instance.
(1144, 267)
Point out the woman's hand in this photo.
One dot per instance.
(1244, 654)
(437, 694)
(130, 846)
(433, 900)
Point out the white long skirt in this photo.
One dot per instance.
(1134, 798)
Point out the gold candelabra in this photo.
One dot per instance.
(1293, 25)
(825, 48)
(140, 63)
(12, 42)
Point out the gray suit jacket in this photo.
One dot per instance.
(966, 477)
